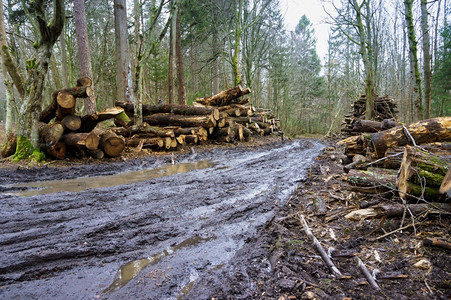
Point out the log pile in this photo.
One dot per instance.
(224, 117)
(62, 132)
(386, 112)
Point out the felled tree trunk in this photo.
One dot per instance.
(373, 180)
(422, 169)
(191, 139)
(144, 128)
(170, 108)
(425, 131)
(397, 210)
(10, 145)
(57, 151)
(89, 122)
(71, 122)
(135, 141)
(206, 121)
(81, 141)
(63, 103)
(50, 134)
(225, 97)
(111, 144)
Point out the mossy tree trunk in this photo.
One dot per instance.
(37, 67)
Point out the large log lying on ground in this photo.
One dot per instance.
(376, 181)
(206, 121)
(170, 108)
(225, 97)
(425, 131)
(422, 169)
(397, 210)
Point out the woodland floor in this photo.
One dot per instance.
(276, 260)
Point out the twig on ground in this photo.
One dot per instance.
(384, 158)
(391, 232)
(319, 247)
(367, 274)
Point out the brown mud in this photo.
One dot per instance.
(217, 223)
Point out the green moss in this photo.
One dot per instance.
(416, 190)
(431, 178)
(37, 155)
(23, 150)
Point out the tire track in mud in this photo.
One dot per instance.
(152, 239)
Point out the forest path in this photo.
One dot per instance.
(148, 233)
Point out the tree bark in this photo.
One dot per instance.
(84, 55)
(396, 210)
(81, 141)
(123, 72)
(425, 131)
(413, 54)
(426, 60)
(89, 122)
(422, 169)
(111, 144)
(144, 128)
(57, 151)
(148, 109)
(225, 97)
(181, 93)
(134, 141)
(180, 120)
(172, 42)
(50, 134)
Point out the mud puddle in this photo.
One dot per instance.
(85, 183)
(167, 237)
(134, 268)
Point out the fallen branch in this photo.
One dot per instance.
(367, 274)
(437, 243)
(319, 247)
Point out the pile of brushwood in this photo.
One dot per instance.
(225, 117)
(385, 115)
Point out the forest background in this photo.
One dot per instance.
(178, 50)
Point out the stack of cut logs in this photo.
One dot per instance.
(385, 110)
(413, 160)
(223, 118)
(75, 135)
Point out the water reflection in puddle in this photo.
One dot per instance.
(80, 184)
(132, 269)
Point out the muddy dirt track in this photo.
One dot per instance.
(156, 231)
